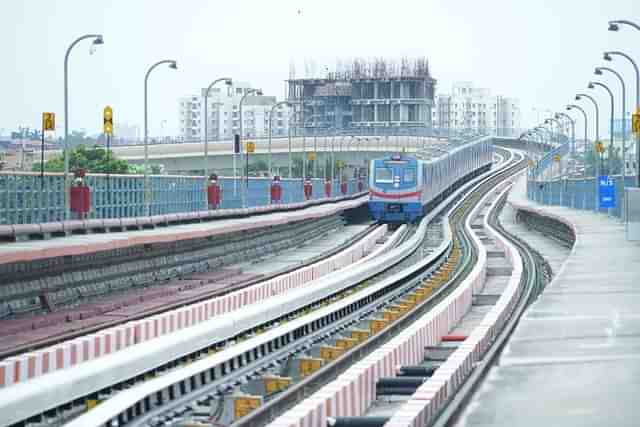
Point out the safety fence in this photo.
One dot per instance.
(28, 198)
(577, 193)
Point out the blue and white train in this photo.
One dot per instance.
(404, 188)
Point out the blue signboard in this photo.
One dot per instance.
(607, 190)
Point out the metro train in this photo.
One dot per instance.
(403, 188)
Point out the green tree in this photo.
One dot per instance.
(93, 159)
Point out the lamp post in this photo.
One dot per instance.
(573, 129)
(550, 122)
(608, 57)
(598, 71)
(147, 199)
(596, 156)
(245, 194)
(584, 113)
(228, 82)
(592, 85)
(97, 40)
(275, 106)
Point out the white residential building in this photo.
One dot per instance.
(224, 114)
(468, 108)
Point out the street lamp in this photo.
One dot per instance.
(247, 93)
(228, 82)
(598, 71)
(173, 65)
(596, 155)
(277, 105)
(608, 57)
(97, 40)
(592, 85)
(573, 130)
(584, 113)
(550, 121)
(615, 25)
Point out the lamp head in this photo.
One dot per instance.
(578, 97)
(557, 116)
(568, 107)
(607, 56)
(173, 64)
(98, 40)
(613, 26)
(259, 92)
(590, 86)
(597, 71)
(228, 82)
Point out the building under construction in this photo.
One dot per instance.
(365, 94)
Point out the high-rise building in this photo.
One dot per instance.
(469, 108)
(223, 114)
(366, 95)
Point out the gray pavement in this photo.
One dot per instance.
(301, 254)
(574, 359)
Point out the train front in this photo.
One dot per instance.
(395, 195)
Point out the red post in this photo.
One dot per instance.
(343, 187)
(214, 195)
(276, 190)
(80, 197)
(327, 188)
(308, 189)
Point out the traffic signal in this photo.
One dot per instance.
(236, 143)
(107, 121)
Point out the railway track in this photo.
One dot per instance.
(189, 263)
(403, 299)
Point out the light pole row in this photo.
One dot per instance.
(597, 147)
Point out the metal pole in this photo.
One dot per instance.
(245, 196)
(584, 113)
(228, 81)
(596, 154)
(147, 198)
(607, 56)
(97, 41)
(277, 105)
(624, 128)
(610, 123)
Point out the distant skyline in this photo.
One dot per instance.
(541, 52)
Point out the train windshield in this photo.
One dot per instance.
(409, 176)
(384, 174)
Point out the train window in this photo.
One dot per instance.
(409, 175)
(384, 175)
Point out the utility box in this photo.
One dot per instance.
(632, 213)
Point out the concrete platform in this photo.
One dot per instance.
(83, 244)
(574, 359)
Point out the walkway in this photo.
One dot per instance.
(574, 358)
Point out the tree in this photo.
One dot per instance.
(93, 160)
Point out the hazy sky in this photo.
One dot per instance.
(541, 51)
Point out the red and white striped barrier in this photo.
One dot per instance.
(15, 369)
(429, 398)
(407, 348)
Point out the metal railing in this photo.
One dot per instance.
(28, 198)
(577, 193)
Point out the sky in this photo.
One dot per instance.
(540, 51)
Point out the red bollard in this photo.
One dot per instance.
(327, 188)
(360, 186)
(214, 192)
(276, 190)
(80, 200)
(343, 187)
(308, 188)
(213, 195)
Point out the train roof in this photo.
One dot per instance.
(434, 150)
